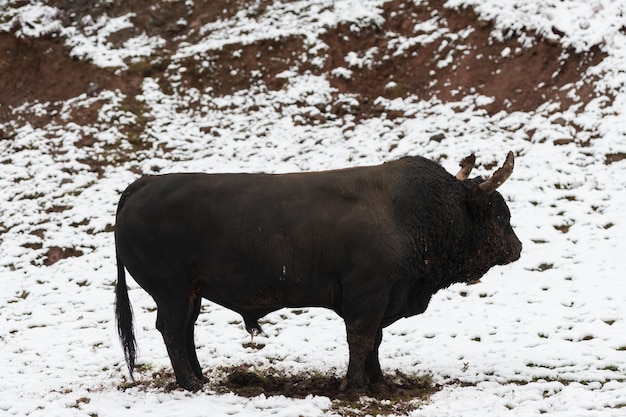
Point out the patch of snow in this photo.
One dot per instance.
(341, 72)
(92, 42)
(30, 20)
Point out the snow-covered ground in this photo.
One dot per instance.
(545, 335)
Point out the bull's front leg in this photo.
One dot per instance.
(372, 363)
(363, 364)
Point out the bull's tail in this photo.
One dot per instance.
(124, 316)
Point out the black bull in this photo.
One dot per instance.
(371, 243)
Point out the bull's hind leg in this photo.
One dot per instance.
(191, 344)
(173, 319)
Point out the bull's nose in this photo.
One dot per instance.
(516, 252)
(512, 253)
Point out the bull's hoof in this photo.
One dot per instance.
(346, 386)
(379, 388)
(203, 379)
(192, 385)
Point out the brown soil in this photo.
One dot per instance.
(55, 254)
(251, 383)
(520, 81)
(41, 69)
(400, 394)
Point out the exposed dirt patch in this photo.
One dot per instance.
(238, 67)
(461, 62)
(55, 254)
(399, 395)
(615, 157)
(40, 70)
(248, 382)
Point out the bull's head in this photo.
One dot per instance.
(499, 238)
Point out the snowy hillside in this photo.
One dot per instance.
(95, 94)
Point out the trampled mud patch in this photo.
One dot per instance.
(399, 394)
(247, 381)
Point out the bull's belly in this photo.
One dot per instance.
(254, 293)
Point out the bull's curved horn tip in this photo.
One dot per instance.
(510, 158)
(467, 164)
(500, 176)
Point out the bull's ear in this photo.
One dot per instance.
(467, 165)
(500, 176)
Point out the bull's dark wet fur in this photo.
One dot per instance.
(371, 243)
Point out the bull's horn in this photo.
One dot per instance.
(500, 176)
(467, 165)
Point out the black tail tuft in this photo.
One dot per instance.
(124, 316)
